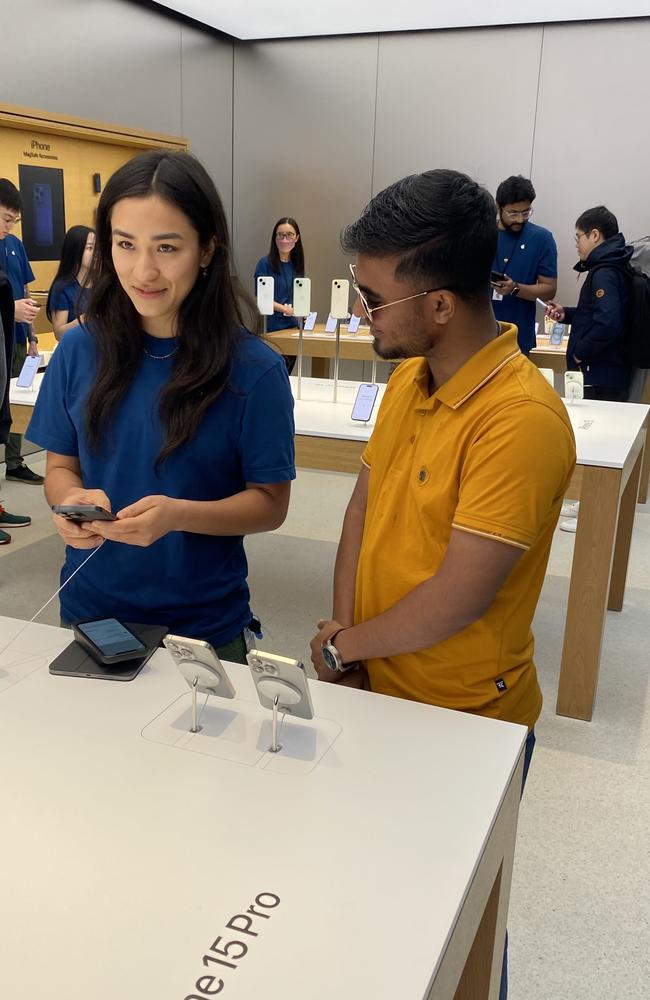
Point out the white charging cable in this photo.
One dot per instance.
(50, 599)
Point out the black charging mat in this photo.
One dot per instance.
(74, 661)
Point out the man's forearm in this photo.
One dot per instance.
(425, 616)
(345, 569)
(540, 290)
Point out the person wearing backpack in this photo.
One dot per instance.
(597, 323)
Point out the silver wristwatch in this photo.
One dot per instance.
(332, 657)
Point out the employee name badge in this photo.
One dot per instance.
(310, 321)
(353, 324)
(330, 326)
(497, 296)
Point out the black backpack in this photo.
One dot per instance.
(635, 336)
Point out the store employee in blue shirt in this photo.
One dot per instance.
(526, 255)
(14, 262)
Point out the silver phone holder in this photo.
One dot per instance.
(301, 325)
(275, 746)
(337, 355)
(195, 728)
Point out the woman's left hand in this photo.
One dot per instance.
(141, 523)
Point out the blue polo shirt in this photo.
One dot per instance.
(523, 256)
(193, 583)
(70, 297)
(282, 291)
(13, 261)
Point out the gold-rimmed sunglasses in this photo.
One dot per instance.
(369, 310)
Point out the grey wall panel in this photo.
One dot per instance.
(303, 138)
(106, 60)
(592, 144)
(207, 68)
(459, 99)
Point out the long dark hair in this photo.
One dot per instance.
(209, 320)
(74, 244)
(297, 255)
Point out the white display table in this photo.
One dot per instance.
(380, 870)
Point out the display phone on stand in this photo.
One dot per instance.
(574, 385)
(301, 296)
(199, 664)
(108, 641)
(279, 676)
(556, 334)
(28, 373)
(265, 296)
(364, 403)
(340, 297)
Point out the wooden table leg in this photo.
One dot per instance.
(645, 474)
(624, 537)
(588, 593)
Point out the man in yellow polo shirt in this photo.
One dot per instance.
(447, 535)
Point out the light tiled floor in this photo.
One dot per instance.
(580, 908)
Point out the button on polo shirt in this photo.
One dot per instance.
(491, 452)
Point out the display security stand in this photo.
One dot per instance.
(301, 308)
(301, 325)
(275, 746)
(339, 310)
(337, 354)
(195, 726)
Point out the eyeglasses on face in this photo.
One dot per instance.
(10, 220)
(369, 310)
(286, 237)
(526, 214)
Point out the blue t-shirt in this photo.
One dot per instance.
(523, 256)
(69, 296)
(13, 261)
(282, 291)
(193, 583)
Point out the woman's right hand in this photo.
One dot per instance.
(79, 536)
(555, 312)
(287, 309)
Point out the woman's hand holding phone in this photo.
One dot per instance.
(555, 312)
(81, 535)
(141, 523)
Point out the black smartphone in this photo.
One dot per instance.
(108, 641)
(81, 658)
(80, 512)
(496, 277)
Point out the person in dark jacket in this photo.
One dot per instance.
(597, 321)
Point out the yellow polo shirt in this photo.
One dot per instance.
(490, 452)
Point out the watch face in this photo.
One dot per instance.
(329, 658)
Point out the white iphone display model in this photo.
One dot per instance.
(340, 296)
(574, 385)
(301, 296)
(28, 373)
(278, 675)
(265, 296)
(199, 665)
(364, 404)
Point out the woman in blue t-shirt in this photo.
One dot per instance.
(69, 293)
(162, 408)
(284, 262)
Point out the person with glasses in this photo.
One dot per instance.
(595, 342)
(284, 262)
(526, 260)
(448, 531)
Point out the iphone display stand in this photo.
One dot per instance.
(301, 308)
(265, 291)
(339, 310)
(574, 386)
